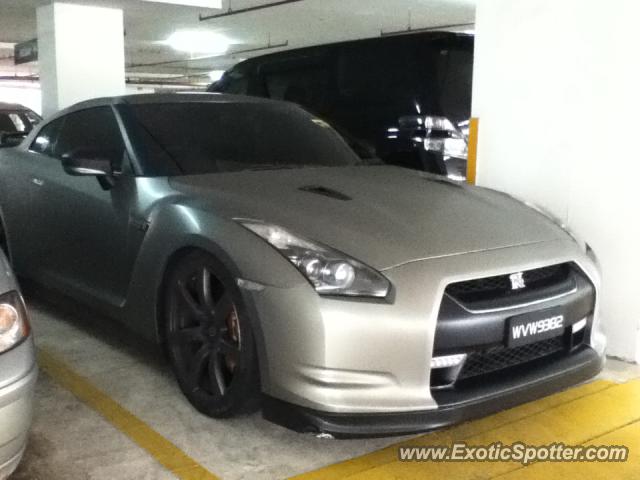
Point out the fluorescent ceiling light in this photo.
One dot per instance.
(198, 41)
(191, 3)
(215, 75)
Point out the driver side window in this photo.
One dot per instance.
(95, 133)
(46, 139)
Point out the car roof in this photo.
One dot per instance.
(155, 98)
(12, 106)
(182, 97)
(326, 48)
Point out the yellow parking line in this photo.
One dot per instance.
(572, 417)
(165, 452)
(628, 436)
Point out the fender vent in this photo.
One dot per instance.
(324, 191)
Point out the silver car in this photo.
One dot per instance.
(280, 269)
(16, 121)
(18, 372)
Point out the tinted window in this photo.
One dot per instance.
(32, 117)
(94, 132)
(46, 138)
(455, 79)
(305, 86)
(369, 88)
(377, 75)
(19, 121)
(405, 76)
(6, 124)
(226, 137)
(234, 83)
(14, 122)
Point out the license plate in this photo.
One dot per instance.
(535, 326)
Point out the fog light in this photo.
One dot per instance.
(576, 327)
(448, 361)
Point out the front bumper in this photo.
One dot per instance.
(18, 375)
(453, 407)
(368, 362)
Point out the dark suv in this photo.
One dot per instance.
(405, 99)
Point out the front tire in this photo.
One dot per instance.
(4, 244)
(209, 337)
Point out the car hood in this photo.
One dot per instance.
(381, 215)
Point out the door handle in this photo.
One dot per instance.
(37, 181)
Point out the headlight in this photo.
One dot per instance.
(14, 325)
(584, 246)
(444, 137)
(558, 222)
(329, 271)
(435, 133)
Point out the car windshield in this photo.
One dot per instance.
(218, 137)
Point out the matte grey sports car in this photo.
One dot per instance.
(279, 268)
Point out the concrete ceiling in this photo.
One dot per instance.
(308, 22)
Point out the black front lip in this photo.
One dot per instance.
(454, 407)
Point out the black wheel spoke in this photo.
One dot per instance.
(223, 309)
(187, 336)
(204, 290)
(3, 242)
(198, 366)
(216, 375)
(189, 300)
(227, 347)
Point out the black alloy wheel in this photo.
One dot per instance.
(210, 340)
(4, 244)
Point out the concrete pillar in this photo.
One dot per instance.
(81, 54)
(556, 94)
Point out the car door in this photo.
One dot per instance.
(83, 229)
(17, 172)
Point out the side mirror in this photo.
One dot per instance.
(86, 163)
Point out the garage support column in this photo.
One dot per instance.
(556, 92)
(81, 54)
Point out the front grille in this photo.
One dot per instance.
(490, 288)
(500, 357)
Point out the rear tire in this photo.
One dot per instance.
(209, 338)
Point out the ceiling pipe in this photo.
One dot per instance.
(231, 12)
(426, 29)
(128, 81)
(162, 83)
(20, 78)
(195, 59)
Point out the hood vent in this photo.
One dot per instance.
(324, 191)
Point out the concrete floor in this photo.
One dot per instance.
(69, 440)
